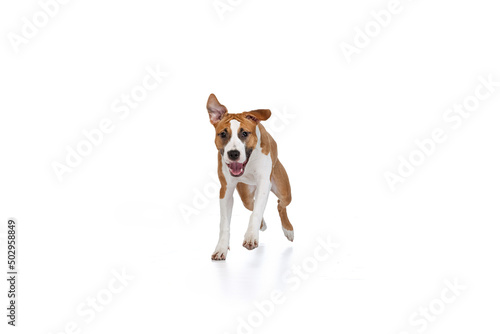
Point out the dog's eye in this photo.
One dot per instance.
(222, 134)
(244, 134)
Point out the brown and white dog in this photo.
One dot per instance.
(248, 162)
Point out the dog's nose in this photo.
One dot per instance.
(233, 154)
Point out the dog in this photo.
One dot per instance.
(248, 162)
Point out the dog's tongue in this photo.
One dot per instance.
(236, 168)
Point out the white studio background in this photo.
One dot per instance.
(142, 205)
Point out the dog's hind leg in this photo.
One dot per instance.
(247, 194)
(285, 223)
(281, 188)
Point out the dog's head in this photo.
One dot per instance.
(235, 134)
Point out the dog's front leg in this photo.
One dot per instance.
(226, 208)
(251, 239)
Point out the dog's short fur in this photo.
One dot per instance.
(248, 162)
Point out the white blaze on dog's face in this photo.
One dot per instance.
(236, 134)
(234, 154)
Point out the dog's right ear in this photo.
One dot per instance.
(215, 110)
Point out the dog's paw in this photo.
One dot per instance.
(288, 234)
(220, 253)
(250, 242)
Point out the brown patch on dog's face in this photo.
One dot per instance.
(223, 134)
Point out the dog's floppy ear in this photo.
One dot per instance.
(258, 115)
(215, 110)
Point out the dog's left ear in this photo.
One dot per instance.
(258, 115)
(215, 110)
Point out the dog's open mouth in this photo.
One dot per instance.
(237, 168)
